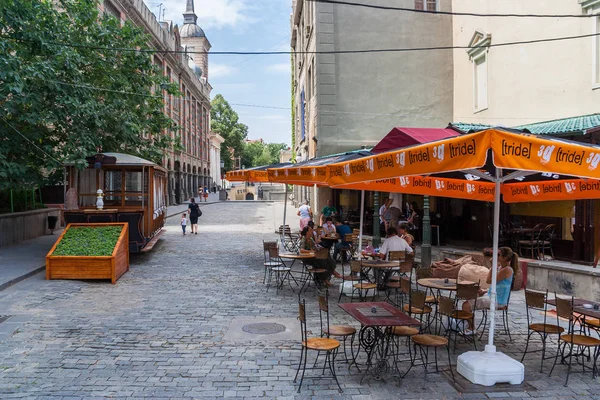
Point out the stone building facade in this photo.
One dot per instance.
(343, 102)
(189, 167)
(216, 171)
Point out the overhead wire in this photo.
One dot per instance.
(357, 51)
(456, 13)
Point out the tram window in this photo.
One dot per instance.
(112, 188)
(134, 189)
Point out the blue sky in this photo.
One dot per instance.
(245, 25)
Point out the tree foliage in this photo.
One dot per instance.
(225, 122)
(68, 101)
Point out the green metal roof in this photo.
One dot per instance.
(468, 127)
(575, 125)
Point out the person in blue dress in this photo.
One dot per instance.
(508, 266)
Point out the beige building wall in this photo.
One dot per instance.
(528, 83)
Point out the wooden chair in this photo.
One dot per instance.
(347, 251)
(416, 306)
(424, 342)
(504, 311)
(354, 275)
(339, 331)
(564, 309)
(532, 243)
(282, 272)
(320, 344)
(268, 264)
(426, 273)
(449, 308)
(398, 256)
(311, 271)
(536, 302)
(467, 292)
(363, 286)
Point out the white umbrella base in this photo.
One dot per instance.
(490, 367)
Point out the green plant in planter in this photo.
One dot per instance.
(88, 241)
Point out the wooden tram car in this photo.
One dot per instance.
(135, 191)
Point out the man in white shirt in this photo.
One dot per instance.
(393, 243)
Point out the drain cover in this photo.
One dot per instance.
(263, 328)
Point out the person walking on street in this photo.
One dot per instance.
(205, 193)
(194, 212)
(200, 193)
(305, 214)
(183, 222)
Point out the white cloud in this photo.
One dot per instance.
(216, 71)
(281, 67)
(212, 14)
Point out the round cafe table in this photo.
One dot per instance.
(440, 284)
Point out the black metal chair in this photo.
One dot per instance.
(282, 272)
(564, 309)
(536, 302)
(320, 344)
(545, 242)
(531, 244)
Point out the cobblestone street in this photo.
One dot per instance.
(163, 331)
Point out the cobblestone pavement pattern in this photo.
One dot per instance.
(159, 333)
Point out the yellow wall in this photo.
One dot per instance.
(562, 209)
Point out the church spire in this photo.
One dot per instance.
(189, 17)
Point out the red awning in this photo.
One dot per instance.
(401, 137)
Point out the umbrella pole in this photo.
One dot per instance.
(489, 367)
(362, 212)
(282, 232)
(490, 346)
(285, 200)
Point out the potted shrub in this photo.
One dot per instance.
(90, 251)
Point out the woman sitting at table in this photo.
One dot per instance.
(403, 233)
(308, 245)
(508, 266)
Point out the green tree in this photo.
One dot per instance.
(68, 95)
(264, 158)
(274, 151)
(251, 153)
(225, 122)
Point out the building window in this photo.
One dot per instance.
(110, 9)
(480, 83)
(428, 5)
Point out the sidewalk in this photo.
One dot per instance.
(26, 259)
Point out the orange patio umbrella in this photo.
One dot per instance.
(482, 166)
(256, 174)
